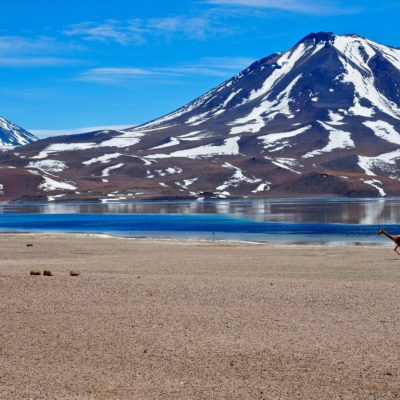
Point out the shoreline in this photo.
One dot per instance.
(189, 240)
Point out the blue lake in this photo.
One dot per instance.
(287, 221)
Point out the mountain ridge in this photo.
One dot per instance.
(320, 119)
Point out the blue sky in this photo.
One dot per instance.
(70, 64)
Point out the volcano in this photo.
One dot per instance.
(321, 119)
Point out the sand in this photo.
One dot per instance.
(186, 320)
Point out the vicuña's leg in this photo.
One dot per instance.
(396, 250)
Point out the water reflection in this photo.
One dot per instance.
(364, 211)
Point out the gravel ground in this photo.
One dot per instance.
(189, 320)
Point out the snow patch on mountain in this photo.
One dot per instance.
(262, 187)
(390, 54)
(106, 171)
(337, 140)
(189, 182)
(48, 165)
(50, 185)
(286, 163)
(384, 130)
(237, 178)
(278, 141)
(375, 184)
(358, 52)
(386, 163)
(127, 139)
(364, 87)
(186, 183)
(284, 65)
(173, 170)
(102, 159)
(231, 97)
(351, 48)
(173, 141)
(198, 119)
(230, 147)
(61, 147)
(335, 118)
(169, 171)
(194, 136)
(265, 112)
(190, 135)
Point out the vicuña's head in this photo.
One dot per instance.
(381, 232)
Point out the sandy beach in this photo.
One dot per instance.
(149, 319)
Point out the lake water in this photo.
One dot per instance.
(287, 221)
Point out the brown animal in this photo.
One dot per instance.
(395, 239)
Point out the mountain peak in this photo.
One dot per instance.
(327, 37)
(318, 37)
(354, 35)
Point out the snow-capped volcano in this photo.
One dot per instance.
(12, 135)
(325, 76)
(322, 118)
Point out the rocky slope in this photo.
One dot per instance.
(321, 119)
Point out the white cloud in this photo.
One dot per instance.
(223, 67)
(140, 31)
(20, 44)
(36, 61)
(113, 74)
(317, 7)
(41, 51)
(109, 31)
(197, 28)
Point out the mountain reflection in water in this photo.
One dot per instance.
(338, 211)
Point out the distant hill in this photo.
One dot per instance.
(12, 135)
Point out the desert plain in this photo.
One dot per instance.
(153, 319)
